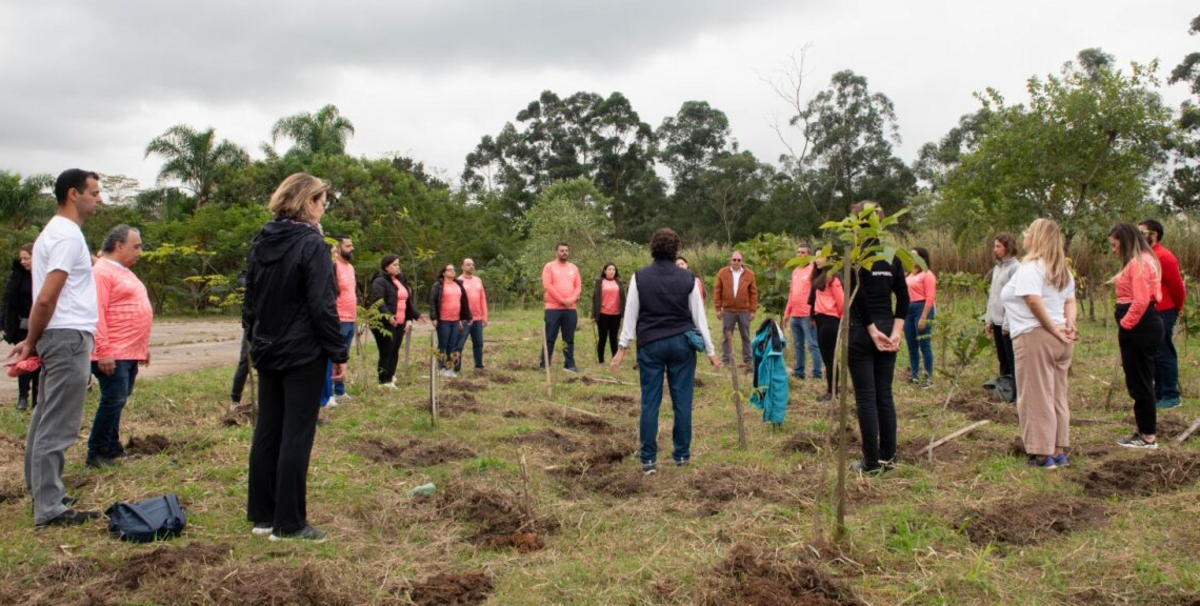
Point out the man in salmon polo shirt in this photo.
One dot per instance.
(347, 305)
(122, 338)
(477, 300)
(560, 280)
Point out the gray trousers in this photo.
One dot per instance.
(742, 320)
(54, 425)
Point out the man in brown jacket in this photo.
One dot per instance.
(735, 296)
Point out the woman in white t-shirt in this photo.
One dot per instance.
(1039, 310)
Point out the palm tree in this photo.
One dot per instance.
(24, 201)
(195, 158)
(324, 132)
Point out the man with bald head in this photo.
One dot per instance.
(477, 301)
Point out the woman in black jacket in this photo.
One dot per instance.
(291, 314)
(608, 305)
(451, 315)
(397, 309)
(14, 309)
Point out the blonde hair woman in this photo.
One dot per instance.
(290, 315)
(1039, 310)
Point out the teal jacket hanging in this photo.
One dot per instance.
(770, 373)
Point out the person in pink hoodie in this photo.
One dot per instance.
(561, 286)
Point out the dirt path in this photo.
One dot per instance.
(175, 346)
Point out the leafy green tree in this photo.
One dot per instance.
(195, 158)
(323, 133)
(1183, 186)
(24, 201)
(689, 144)
(731, 190)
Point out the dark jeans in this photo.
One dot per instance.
(804, 335)
(243, 371)
(675, 357)
(1139, 347)
(872, 372)
(1166, 368)
(339, 387)
(105, 440)
(920, 342)
(475, 331)
(608, 328)
(389, 342)
(283, 439)
(450, 344)
(27, 385)
(566, 321)
(827, 334)
(1004, 352)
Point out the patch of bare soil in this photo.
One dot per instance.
(810, 442)
(1171, 424)
(577, 420)
(274, 583)
(1143, 475)
(242, 414)
(599, 470)
(514, 414)
(156, 444)
(518, 365)
(1030, 521)
(721, 484)
(504, 525)
(748, 577)
(415, 453)
(500, 379)
(977, 408)
(464, 385)
(626, 405)
(454, 404)
(914, 451)
(548, 439)
(446, 589)
(166, 560)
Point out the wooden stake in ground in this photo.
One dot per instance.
(963, 431)
(546, 363)
(433, 356)
(1189, 431)
(737, 402)
(839, 529)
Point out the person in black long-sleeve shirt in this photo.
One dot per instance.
(389, 287)
(290, 315)
(14, 312)
(876, 327)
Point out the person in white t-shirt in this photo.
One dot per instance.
(1039, 314)
(61, 327)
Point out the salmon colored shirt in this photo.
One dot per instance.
(922, 287)
(123, 330)
(1138, 285)
(451, 307)
(476, 298)
(401, 302)
(829, 300)
(610, 298)
(561, 283)
(347, 300)
(797, 303)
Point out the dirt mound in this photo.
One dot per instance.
(454, 404)
(599, 470)
(501, 379)
(445, 589)
(166, 560)
(242, 414)
(1171, 424)
(273, 583)
(548, 439)
(518, 365)
(148, 445)
(750, 578)
(504, 525)
(977, 408)
(577, 420)
(626, 405)
(1143, 475)
(724, 483)
(464, 385)
(1030, 521)
(514, 414)
(811, 442)
(416, 453)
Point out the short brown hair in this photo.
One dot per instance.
(664, 244)
(861, 205)
(292, 196)
(1007, 241)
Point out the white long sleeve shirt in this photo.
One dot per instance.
(633, 305)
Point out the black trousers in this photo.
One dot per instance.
(1004, 352)
(389, 342)
(608, 327)
(27, 385)
(1139, 351)
(827, 334)
(872, 372)
(283, 439)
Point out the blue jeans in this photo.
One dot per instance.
(339, 387)
(1166, 368)
(449, 343)
(565, 320)
(675, 357)
(105, 440)
(920, 342)
(475, 331)
(804, 333)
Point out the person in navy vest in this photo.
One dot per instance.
(664, 312)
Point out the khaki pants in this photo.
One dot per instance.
(1042, 363)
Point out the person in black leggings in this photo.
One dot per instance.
(876, 328)
(825, 301)
(608, 305)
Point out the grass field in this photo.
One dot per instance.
(584, 527)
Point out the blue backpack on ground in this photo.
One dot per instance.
(770, 373)
(148, 520)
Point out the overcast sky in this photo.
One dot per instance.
(88, 83)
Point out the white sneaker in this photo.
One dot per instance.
(332, 402)
(391, 385)
(344, 397)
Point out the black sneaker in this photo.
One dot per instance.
(649, 468)
(681, 462)
(1136, 441)
(23, 403)
(261, 528)
(70, 517)
(881, 467)
(308, 533)
(99, 462)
